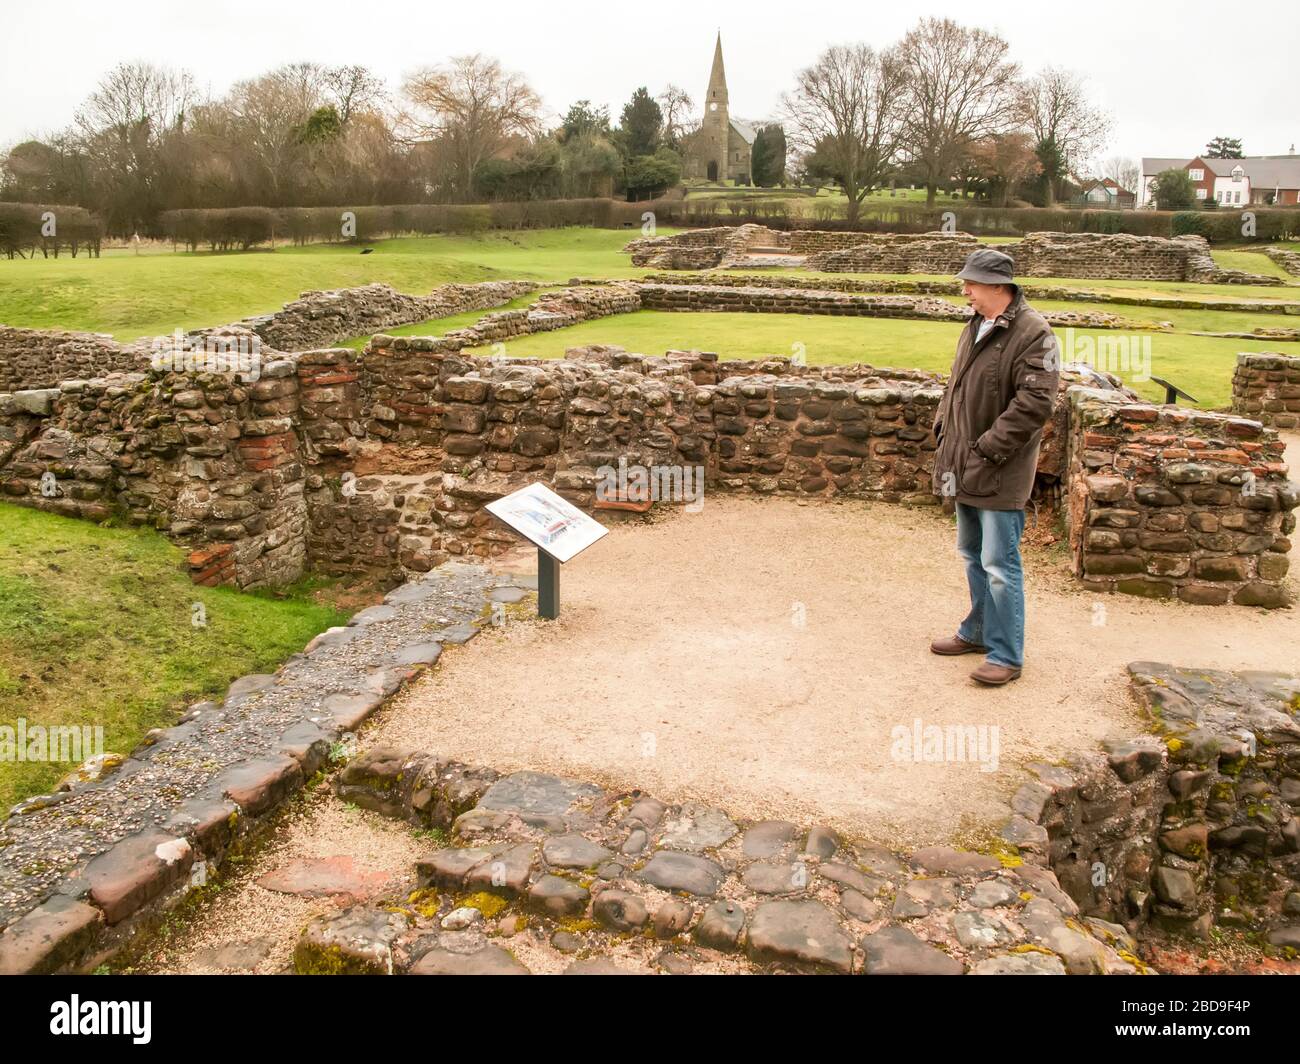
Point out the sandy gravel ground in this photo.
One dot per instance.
(680, 666)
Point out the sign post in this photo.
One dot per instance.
(548, 586)
(559, 530)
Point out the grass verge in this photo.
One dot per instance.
(97, 628)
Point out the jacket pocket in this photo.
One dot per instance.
(979, 477)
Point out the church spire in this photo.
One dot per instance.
(718, 77)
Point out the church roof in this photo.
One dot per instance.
(746, 132)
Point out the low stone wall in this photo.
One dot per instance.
(1091, 255)
(1267, 387)
(898, 253)
(907, 286)
(211, 461)
(1288, 260)
(41, 358)
(695, 249)
(574, 416)
(812, 241)
(569, 306)
(318, 319)
(778, 299)
(1166, 502)
(1116, 256)
(1194, 827)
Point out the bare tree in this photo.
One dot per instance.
(676, 107)
(960, 83)
(848, 111)
(123, 127)
(472, 105)
(268, 115)
(1124, 172)
(1066, 127)
(353, 89)
(135, 94)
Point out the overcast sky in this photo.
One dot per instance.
(1172, 75)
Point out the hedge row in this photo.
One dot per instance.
(1219, 226)
(245, 227)
(28, 228)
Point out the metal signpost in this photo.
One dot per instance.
(559, 530)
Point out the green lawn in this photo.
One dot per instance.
(1200, 365)
(96, 629)
(151, 294)
(1251, 262)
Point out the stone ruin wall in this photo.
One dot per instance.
(320, 319)
(911, 286)
(898, 253)
(1287, 259)
(380, 462)
(211, 461)
(1167, 502)
(778, 298)
(1195, 826)
(41, 358)
(1266, 387)
(1118, 256)
(1092, 256)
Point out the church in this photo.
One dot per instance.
(724, 146)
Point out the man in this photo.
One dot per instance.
(988, 429)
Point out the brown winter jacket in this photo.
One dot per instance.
(991, 417)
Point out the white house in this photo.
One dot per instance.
(1258, 179)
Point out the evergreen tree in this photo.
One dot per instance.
(1223, 148)
(642, 125)
(767, 161)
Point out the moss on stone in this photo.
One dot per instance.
(487, 903)
(425, 901)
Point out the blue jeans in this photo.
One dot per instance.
(989, 543)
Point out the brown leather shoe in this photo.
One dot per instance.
(955, 644)
(991, 675)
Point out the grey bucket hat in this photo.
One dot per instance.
(987, 266)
